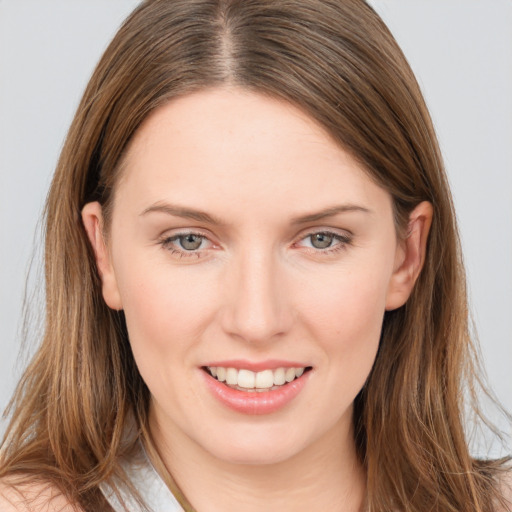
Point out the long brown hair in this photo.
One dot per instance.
(337, 61)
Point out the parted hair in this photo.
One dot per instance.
(336, 61)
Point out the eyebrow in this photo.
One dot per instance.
(330, 212)
(200, 216)
(185, 213)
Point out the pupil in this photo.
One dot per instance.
(321, 240)
(191, 242)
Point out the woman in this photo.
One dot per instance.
(255, 295)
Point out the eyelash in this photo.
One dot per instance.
(167, 244)
(342, 241)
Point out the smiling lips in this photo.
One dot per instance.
(255, 392)
(247, 380)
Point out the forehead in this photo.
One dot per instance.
(239, 148)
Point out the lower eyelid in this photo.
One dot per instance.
(170, 243)
(342, 239)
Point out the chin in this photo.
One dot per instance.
(259, 449)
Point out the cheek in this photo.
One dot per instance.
(345, 324)
(165, 311)
(166, 314)
(347, 320)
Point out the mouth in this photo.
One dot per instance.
(256, 382)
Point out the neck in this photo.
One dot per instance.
(326, 475)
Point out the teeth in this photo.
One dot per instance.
(221, 374)
(279, 376)
(289, 374)
(247, 379)
(264, 379)
(231, 377)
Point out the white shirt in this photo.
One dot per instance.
(151, 488)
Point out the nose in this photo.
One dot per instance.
(257, 307)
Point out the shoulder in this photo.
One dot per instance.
(18, 496)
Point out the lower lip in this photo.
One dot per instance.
(256, 402)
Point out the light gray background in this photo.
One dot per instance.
(461, 51)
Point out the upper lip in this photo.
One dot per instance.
(256, 366)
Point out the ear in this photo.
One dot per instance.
(410, 256)
(92, 218)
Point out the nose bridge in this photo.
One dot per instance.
(258, 308)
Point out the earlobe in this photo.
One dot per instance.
(410, 256)
(92, 219)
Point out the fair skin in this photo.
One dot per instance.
(291, 262)
(243, 237)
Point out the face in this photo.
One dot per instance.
(254, 260)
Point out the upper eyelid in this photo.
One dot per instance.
(344, 233)
(176, 236)
(338, 233)
(340, 237)
(186, 233)
(176, 233)
(168, 243)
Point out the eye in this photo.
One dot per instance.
(186, 244)
(324, 241)
(190, 242)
